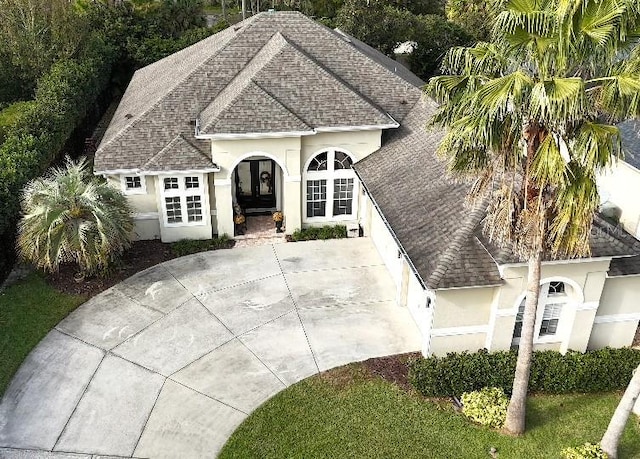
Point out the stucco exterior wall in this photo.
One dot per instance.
(409, 290)
(359, 143)
(622, 185)
(441, 345)
(612, 334)
(587, 280)
(617, 317)
(145, 207)
(464, 307)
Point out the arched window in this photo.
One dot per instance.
(331, 187)
(552, 302)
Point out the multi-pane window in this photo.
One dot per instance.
(331, 184)
(556, 288)
(184, 199)
(316, 198)
(517, 331)
(318, 163)
(133, 183)
(174, 212)
(553, 297)
(550, 319)
(342, 196)
(342, 161)
(171, 183)
(194, 209)
(191, 182)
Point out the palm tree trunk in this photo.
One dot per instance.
(516, 411)
(618, 422)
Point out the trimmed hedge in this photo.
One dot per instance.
(36, 138)
(188, 246)
(320, 232)
(551, 372)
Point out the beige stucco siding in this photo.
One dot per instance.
(441, 345)
(144, 205)
(622, 185)
(621, 295)
(463, 307)
(141, 203)
(612, 334)
(359, 143)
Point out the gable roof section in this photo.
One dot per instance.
(164, 99)
(630, 133)
(425, 208)
(179, 155)
(427, 213)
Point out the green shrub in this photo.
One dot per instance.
(11, 115)
(602, 370)
(320, 232)
(188, 246)
(586, 451)
(487, 406)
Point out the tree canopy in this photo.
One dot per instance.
(531, 118)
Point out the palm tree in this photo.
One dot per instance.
(618, 421)
(531, 118)
(71, 216)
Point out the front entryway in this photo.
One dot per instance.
(255, 182)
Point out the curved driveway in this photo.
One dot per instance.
(169, 362)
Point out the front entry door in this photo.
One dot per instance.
(255, 184)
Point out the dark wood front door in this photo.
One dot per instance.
(255, 184)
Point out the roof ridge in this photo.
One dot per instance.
(167, 148)
(280, 103)
(240, 30)
(242, 79)
(461, 236)
(340, 34)
(341, 81)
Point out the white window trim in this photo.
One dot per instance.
(132, 191)
(330, 175)
(182, 192)
(563, 322)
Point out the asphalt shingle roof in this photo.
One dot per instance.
(314, 73)
(441, 235)
(630, 133)
(178, 155)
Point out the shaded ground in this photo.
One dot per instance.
(141, 255)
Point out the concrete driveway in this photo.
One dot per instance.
(169, 362)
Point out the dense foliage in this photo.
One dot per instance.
(384, 25)
(320, 232)
(71, 216)
(108, 42)
(551, 372)
(487, 406)
(586, 451)
(189, 246)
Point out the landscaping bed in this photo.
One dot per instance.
(369, 410)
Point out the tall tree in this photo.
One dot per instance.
(376, 23)
(37, 32)
(531, 117)
(611, 438)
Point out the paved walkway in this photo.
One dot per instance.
(169, 362)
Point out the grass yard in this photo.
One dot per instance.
(348, 413)
(28, 310)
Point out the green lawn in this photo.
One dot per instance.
(28, 310)
(349, 414)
